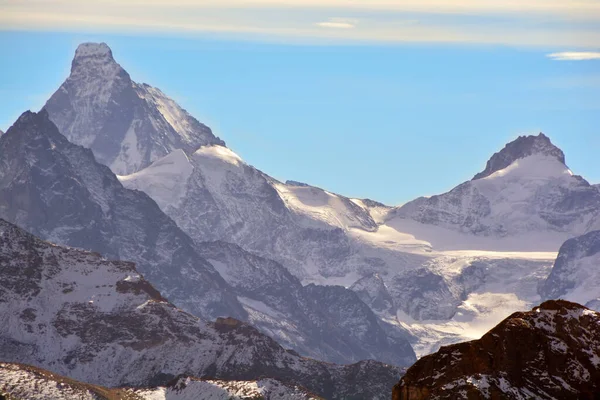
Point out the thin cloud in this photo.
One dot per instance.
(310, 21)
(575, 56)
(338, 23)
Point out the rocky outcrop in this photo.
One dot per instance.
(575, 275)
(550, 352)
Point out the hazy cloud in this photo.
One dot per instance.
(575, 56)
(565, 23)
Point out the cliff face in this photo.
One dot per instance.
(550, 352)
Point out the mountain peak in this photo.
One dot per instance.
(93, 50)
(521, 147)
(32, 119)
(127, 125)
(95, 60)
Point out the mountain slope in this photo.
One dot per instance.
(57, 191)
(550, 352)
(575, 275)
(345, 330)
(20, 381)
(526, 196)
(127, 125)
(80, 315)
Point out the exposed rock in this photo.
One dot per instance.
(575, 275)
(550, 352)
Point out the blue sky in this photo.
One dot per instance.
(360, 114)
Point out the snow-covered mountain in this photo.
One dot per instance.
(526, 199)
(57, 190)
(576, 272)
(98, 321)
(324, 237)
(127, 125)
(551, 352)
(445, 268)
(214, 195)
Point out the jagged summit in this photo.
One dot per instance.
(127, 125)
(523, 146)
(30, 125)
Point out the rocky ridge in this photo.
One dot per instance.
(99, 321)
(550, 352)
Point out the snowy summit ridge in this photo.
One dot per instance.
(522, 147)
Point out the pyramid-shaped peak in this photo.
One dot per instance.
(521, 147)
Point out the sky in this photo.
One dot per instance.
(386, 99)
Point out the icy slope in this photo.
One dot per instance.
(127, 125)
(98, 321)
(227, 199)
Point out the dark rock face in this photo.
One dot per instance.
(550, 352)
(57, 191)
(98, 321)
(522, 147)
(326, 322)
(568, 273)
(372, 290)
(127, 125)
(424, 295)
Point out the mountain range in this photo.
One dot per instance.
(101, 322)
(119, 169)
